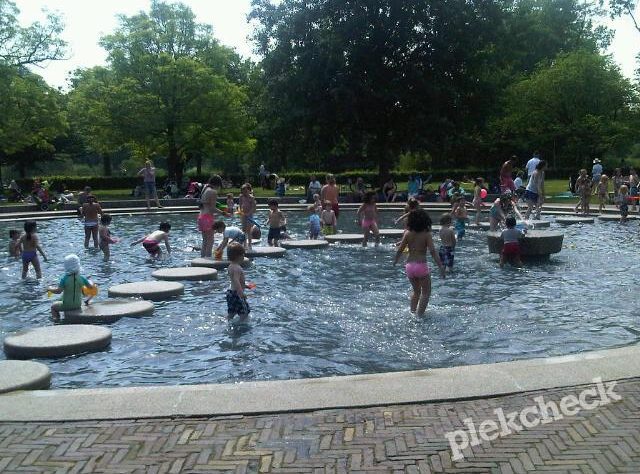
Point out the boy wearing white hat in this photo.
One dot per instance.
(70, 286)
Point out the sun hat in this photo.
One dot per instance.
(72, 264)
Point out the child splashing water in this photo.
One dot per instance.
(368, 218)
(30, 248)
(418, 240)
(151, 242)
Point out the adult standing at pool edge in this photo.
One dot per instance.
(330, 192)
(148, 174)
(208, 202)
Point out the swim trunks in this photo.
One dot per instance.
(90, 224)
(29, 256)
(328, 230)
(151, 246)
(336, 208)
(417, 269)
(511, 249)
(205, 222)
(459, 225)
(624, 209)
(531, 196)
(274, 233)
(446, 255)
(366, 223)
(236, 304)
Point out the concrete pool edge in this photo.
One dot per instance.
(390, 388)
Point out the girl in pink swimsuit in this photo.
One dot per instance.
(368, 212)
(418, 239)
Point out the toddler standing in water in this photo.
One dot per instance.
(236, 300)
(247, 204)
(104, 235)
(314, 222)
(15, 245)
(623, 202)
(602, 189)
(30, 248)
(459, 212)
(230, 204)
(412, 205)
(368, 217)
(447, 241)
(151, 242)
(328, 218)
(276, 222)
(511, 243)
(418, 240)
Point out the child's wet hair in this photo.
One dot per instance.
(256, 233)
(419, 221)
(235, 252)
(412, 204)
(272, 202)
(220, 226)
(30, 227)
(164, 226)
(445, 219)
(510, 222)
(14, 233)
(105, 219)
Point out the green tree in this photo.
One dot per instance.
(177, 90)
(34, 44)
(575, 109)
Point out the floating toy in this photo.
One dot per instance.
(90, 291)
(49, 293)
(483, 193)
(218, 254)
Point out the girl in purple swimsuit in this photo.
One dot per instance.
(30, 248)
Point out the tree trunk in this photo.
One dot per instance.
(199, 164)
(174, 165)
(106, 164)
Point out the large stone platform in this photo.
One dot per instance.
(536, 243)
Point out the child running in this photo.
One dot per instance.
(328, 218)
(90, 210)
(151, 242)
(236, 299)
(70, 286)
(459, 212)
(477, 199)
(511, 243)
(447, 241)
(30, 248)
(230, 234)
(247, 205)
(276, 221)
(15, 245)
(418, 240)
(314, 222)
(368, 218)
(602, 188)
(105, 236)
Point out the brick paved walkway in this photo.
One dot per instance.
(407, 438)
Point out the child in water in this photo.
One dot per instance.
(314, 222)
(230, 234)
(497, 212)
(583, 189)
(230, 204)
(247, 205)
(602, 188)
(477, 199)
(236, 299)
(368, 218)
(151, 242)
(15, 245)
(30, 248)
(511, 243)
(623, 202)
(412, 205)
(328, 218)
(447, 241)
(418, 240)
(276, 221)
(104, 235)
(459, 212)
(70, 286)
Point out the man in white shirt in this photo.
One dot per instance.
(314, 188)
(532, 163)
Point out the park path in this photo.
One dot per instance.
(394, 439)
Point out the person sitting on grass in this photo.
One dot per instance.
(70, 286)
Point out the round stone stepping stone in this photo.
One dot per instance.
(148, 290)
(304, 244)
(574, 220)
(109, 311)
(536, 243)
(23, 375)
(392, 233)
(614, 217)
(217, 264)
(346, 238)
(186, 273)
(266, 252)
(56, 341)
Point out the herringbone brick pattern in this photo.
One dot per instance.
(394, 439)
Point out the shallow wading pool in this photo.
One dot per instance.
(337, 311)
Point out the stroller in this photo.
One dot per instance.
(194, 190)
(15, 193)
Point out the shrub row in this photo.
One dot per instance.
(296, 178)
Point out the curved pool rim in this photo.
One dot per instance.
(300, 395)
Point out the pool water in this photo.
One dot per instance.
(337, 311)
